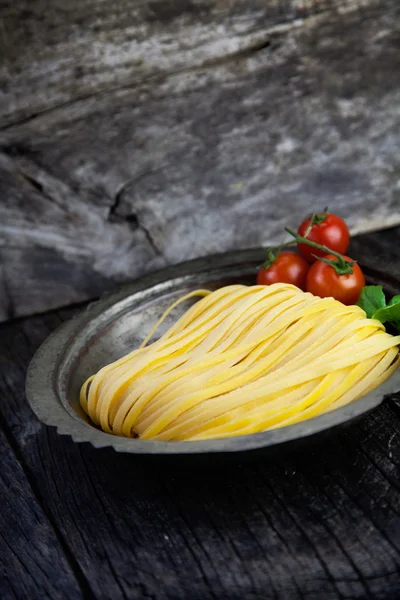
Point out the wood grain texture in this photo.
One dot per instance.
(54, 53)
(321, 522)
(259, 113)
(34, 562)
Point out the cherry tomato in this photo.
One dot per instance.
(328, 230)
(288, 267)
(323, 281)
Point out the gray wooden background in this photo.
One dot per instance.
(138, 134)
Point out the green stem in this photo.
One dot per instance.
(273, 252)
(316, 219)
(341, 266)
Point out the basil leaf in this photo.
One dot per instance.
(371, 299)
(396, 322)
(388, 313)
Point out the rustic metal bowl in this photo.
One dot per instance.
(117, 323)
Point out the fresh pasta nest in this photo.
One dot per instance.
(243, 359)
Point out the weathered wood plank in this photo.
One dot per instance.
(53, 54)
(323, 522)
(32, 560)
(206, 160)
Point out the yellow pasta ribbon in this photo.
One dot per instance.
(242, 359)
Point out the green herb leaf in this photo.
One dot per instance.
(394, 300)
(372, 299)
(388, 313)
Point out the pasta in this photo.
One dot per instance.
(242, 359)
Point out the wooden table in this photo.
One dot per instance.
(76, 522)
(138, 134)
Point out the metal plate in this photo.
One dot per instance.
(116, 324)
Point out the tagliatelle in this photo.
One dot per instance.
(242, 359)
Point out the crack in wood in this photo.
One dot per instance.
(137, 222)
(39, 188)
(132, 219)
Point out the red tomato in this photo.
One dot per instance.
(288, 267)
(329, 230)
(323, 281)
